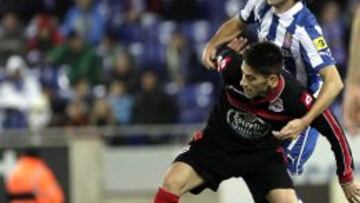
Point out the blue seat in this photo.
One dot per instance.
(194, 102)
(129, 33)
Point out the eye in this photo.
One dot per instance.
(250, 77)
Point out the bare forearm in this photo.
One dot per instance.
(228, 31)
(330, 89)
(353, 75)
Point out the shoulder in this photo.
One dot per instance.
(253, 10)
(308, 30)
(293, 88)
(254, 5)
(307, 22)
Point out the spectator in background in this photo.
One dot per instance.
(124, 70)
(80, 57)
(32, 181)
(133, 10)
(182, 62)
(19, 92)
(77, 114)
(352, 83)
(79, 104)
(123, 19)
(102, 113)
(122, 11)
(82, 91)
(57, 105)
(86, 19)
(334, 33)
(12, 38)
(153, 105)
(121, 102)
(39, 114)
(177, 58)
(43, 35)
(108, 50)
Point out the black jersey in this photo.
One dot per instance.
(237, 123)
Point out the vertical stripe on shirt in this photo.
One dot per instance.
(264, 10)
(271, 36)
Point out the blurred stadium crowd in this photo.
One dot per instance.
(120, 62)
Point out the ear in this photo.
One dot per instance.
(273, 80)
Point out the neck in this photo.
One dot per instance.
(284, 6)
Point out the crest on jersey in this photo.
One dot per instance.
(287, 40)
(277, 106)
(320, 43)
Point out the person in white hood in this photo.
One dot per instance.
(20, 91)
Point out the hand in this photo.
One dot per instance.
(351, 111)
(352, 191)
(239, 45)
(209, 55)
(291, 130)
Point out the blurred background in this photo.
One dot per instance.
(109, 91)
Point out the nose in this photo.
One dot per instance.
(242, 82)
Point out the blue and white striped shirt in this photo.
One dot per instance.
(299, 35)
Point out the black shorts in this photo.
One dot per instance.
(262, 169)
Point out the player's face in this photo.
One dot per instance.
(275, 2)
(253, 83)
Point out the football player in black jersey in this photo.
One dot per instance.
(241, 137)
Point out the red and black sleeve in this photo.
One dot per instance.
(329, 127)
(229, 65)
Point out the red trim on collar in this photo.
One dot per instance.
(275, 93)
(259, 112)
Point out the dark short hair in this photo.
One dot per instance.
(265, 58)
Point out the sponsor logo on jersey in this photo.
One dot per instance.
(277, 106)
(247, 125)
(320, 43)
(307, 100)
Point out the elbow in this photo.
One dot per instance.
(337, 83)
(337, 87)
(340, 85)
(332, 79)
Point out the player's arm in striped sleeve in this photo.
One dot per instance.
(316, 55)
(247, 13)
(229, 30)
